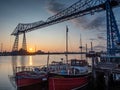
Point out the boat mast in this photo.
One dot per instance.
(91, 47)
(66, 44)
(86, 51)
(47, 61)
(86, 48)
(81, 46)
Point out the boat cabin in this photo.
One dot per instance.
(57, 66)
(76, 62)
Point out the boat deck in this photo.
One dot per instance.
(27, 68)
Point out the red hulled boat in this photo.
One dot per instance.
(68, 77)
(28, 78)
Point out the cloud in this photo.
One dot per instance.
(101, 37)
(92, 39)
(80, 22)
(53, 6)
(96, 23)
(99, 48)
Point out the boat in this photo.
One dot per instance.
(29, 76)
(72, 75)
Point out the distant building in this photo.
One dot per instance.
(39, 52)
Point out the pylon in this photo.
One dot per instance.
(15, 45)
(24, 45)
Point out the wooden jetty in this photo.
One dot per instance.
(105, 72)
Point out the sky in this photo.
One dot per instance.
(52, 38)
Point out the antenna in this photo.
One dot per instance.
(91, 47)
(35, 48)
(86, 51)
(81, 46)
(86, 48)
(66, 44)
(1, 47)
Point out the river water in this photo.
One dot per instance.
(8, 63)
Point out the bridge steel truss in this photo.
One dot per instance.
(81, 8)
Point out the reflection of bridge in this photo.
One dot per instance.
(80, 8)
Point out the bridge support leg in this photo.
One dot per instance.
(15, 45)
(24, 45)
(113, 36)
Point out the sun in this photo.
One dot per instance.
(30, 49)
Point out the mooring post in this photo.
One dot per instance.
(93, 72)
(107, 80)
(92, 54)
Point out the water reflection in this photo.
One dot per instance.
(22, 60)
(14, 64)
(30, 60)
(12, 77)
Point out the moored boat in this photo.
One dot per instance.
(69, 76)
(30, 77)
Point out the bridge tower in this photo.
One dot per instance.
(24, 45)
(113, 35)
(15, 45)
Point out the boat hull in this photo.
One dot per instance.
(68, 82)
(37, 86)
(27, 82)
(23, 79)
